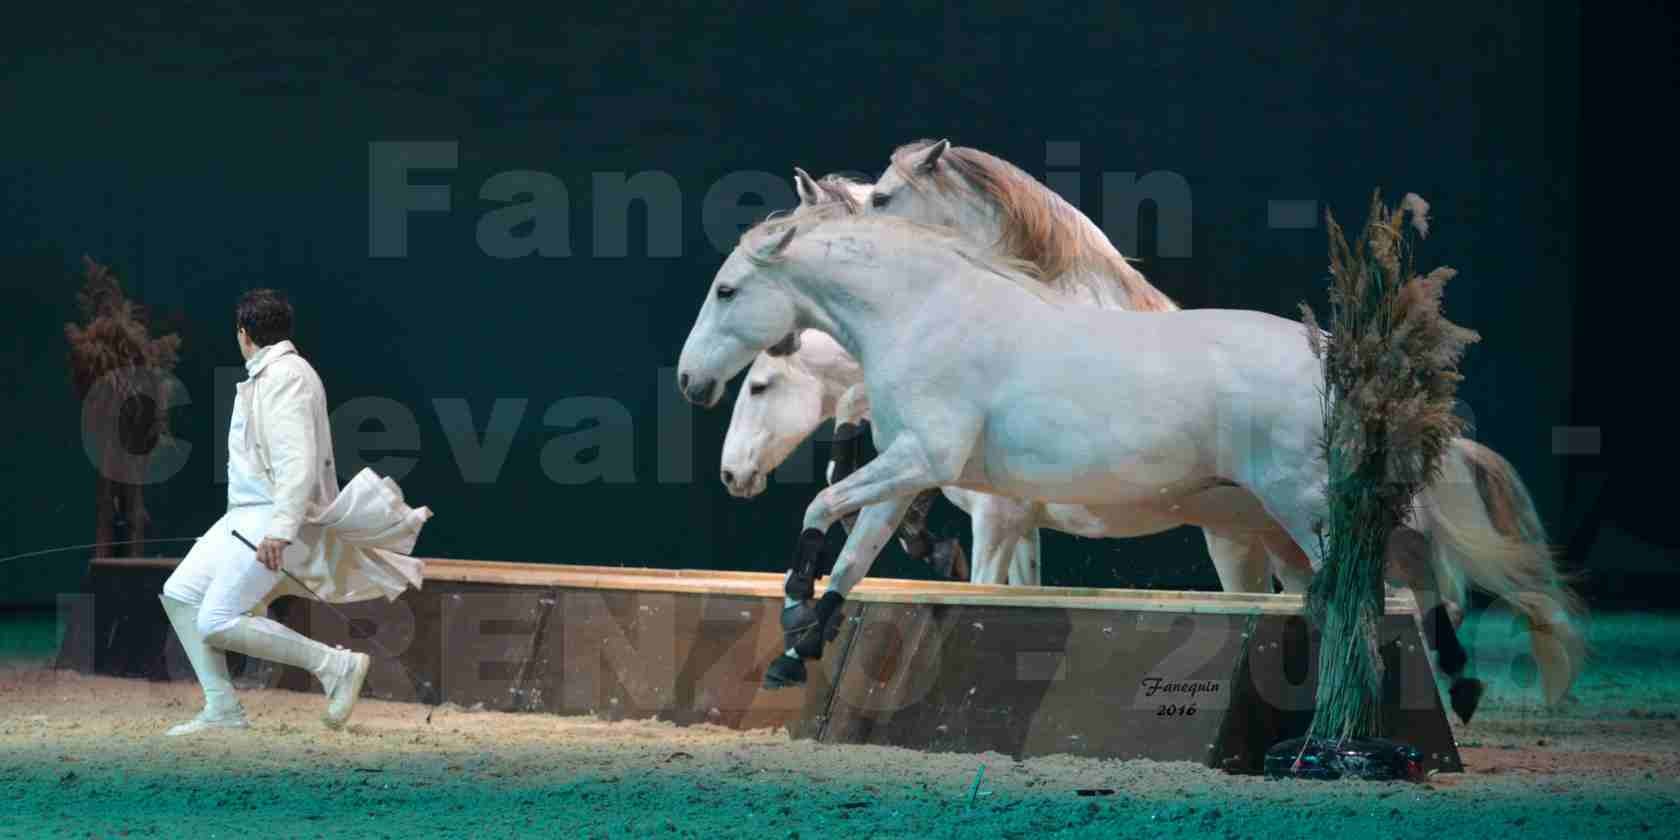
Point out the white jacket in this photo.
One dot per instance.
(347, 546)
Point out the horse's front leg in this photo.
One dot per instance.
(883, 489)
(808, 626)
(851, 432)
(902, 470)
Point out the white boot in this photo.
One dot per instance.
(340, 671)
(221, 704)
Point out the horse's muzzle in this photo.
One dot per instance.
(743, 484)
(697, 391)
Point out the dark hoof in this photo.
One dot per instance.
(1466, 694)
(807, 627)
(784, 672)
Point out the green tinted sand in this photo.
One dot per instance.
(84, 756)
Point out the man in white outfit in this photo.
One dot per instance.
(280, 476)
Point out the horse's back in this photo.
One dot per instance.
(1166, 397)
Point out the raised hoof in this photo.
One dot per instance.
(784, 672)
(802, 631)
(1466, 694)
(809, 626)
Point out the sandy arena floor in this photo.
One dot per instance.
(85, 757)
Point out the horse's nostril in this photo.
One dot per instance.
(728, 478)
(682, 382)
(698, 391)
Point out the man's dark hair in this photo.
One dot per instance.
(265, 316)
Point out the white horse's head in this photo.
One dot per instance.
(994, 204)
(784, 400)
(747, 310)
(917, 186)
(786, 397)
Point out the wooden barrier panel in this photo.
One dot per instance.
(1208, 677)
(1035, 681)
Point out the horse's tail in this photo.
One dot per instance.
(1485, 532)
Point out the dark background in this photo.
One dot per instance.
(203, 152)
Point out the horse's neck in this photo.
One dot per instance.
(1123, 286)
(1100, 276)
(838, 374)
(1093, 288)
(860, 303)
(1115, 285)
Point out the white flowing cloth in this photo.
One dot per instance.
(347, 544)
(357, 547)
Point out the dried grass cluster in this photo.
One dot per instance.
(114, 358)
(121, 375)
(1390, 356)
(1391, 381)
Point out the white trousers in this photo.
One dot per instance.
(221, 575)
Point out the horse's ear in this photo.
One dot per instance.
(930, 158)
(809, 193)
(788, 346)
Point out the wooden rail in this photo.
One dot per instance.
(873, 590)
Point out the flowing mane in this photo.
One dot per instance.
(840, 189)
(811, 219)
(1037, 224)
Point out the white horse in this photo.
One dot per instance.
(784, 399)
(980, 379)
(1475, 524)
(787, 397)
(988, 391)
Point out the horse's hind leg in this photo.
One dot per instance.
(1289, 563)
(999, 525)
(1240, 559)
(1408, 564)
(1024, 566)
(1299, 509)
(913, 534)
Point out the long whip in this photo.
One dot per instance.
(28, 554)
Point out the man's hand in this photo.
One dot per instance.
(269, 553)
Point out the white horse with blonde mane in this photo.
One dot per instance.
(1474, 525)
(1477, 523)
(981, 378)
(786, 397)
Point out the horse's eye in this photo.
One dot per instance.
(879, 199)
(726, 292)
(758, 387)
